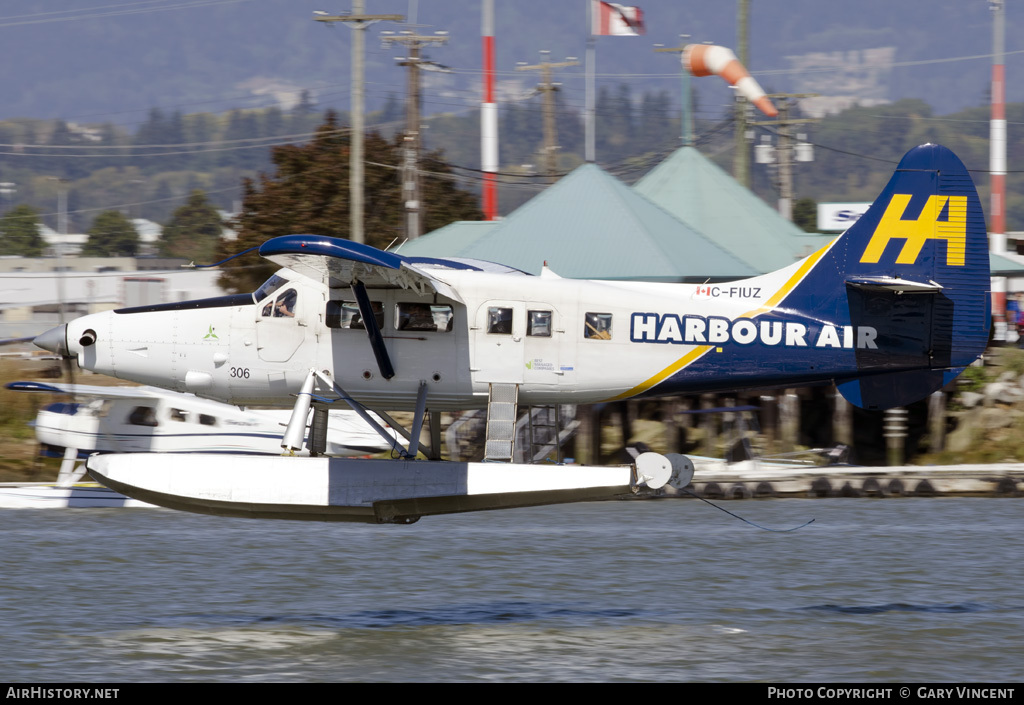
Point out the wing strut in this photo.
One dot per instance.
(387, 370)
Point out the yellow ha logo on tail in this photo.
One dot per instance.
(916, 232)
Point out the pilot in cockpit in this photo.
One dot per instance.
(285, 306)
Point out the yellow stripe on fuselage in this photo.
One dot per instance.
(679, 364)
(785, 289)
(696, 353)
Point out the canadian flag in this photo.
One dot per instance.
(613, 19)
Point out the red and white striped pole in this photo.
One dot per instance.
(489, 117)
(997, 159)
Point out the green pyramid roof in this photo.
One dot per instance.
(589, 225)
(1004, 266)
(702, 195)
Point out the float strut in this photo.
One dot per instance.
(417, 421)
(295, 433)
(361, 411)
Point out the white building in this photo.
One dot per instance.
(33, 289)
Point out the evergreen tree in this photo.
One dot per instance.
(202, 129)
(154, 131)
(194, 231)
(522, 133)
(392, 116)
(805, 215)
(111, 235)
(19, 232)
(175, 135)
(614, 132)
(445, 202)
(309, 193)
(68, 168)
(302, 117)
(655, 122)
(273, 122)
(305, 106)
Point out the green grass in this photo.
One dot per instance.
(19, 461)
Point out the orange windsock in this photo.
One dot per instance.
(705, 59)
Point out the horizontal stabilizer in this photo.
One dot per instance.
(900, 286)
(892, 389)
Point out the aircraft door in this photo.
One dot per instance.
(280, 325)
(545, 356)
(498, 351)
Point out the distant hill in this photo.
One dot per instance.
(95, 61)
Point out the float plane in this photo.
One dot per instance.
(101, 419)
(890, 311)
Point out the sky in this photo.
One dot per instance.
(114, 60)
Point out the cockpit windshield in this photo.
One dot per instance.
(269, 287)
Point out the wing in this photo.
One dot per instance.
(339, 263)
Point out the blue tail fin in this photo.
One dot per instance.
(916, 271)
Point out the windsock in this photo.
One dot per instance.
(704, 60)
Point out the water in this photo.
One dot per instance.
(671, 590)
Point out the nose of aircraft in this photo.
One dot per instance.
(55, 340)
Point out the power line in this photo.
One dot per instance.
(137, 11)
(296, 136)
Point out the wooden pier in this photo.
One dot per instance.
(714, 479)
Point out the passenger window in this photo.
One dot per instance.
(179, 415)
(424, 317)
(285, 306)
(142, 416)
(345, 314)
(207, 420)
(598, 326)
(538, 324)
(499, 320)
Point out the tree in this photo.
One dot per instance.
(614, 124)
(111, 235)
(194, 231)
(309, 193)
(805, 215)
(19, 232)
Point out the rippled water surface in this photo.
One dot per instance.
(668, 590)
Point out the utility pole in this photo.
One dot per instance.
(741, 157)
(997, 162)
(413, 139)
(358, 22)
(62, 228)
(489, 116)
(785, 149)
(548, 89)
(686, 122)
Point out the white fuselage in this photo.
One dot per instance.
(558, 339)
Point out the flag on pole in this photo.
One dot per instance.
(613, 19)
